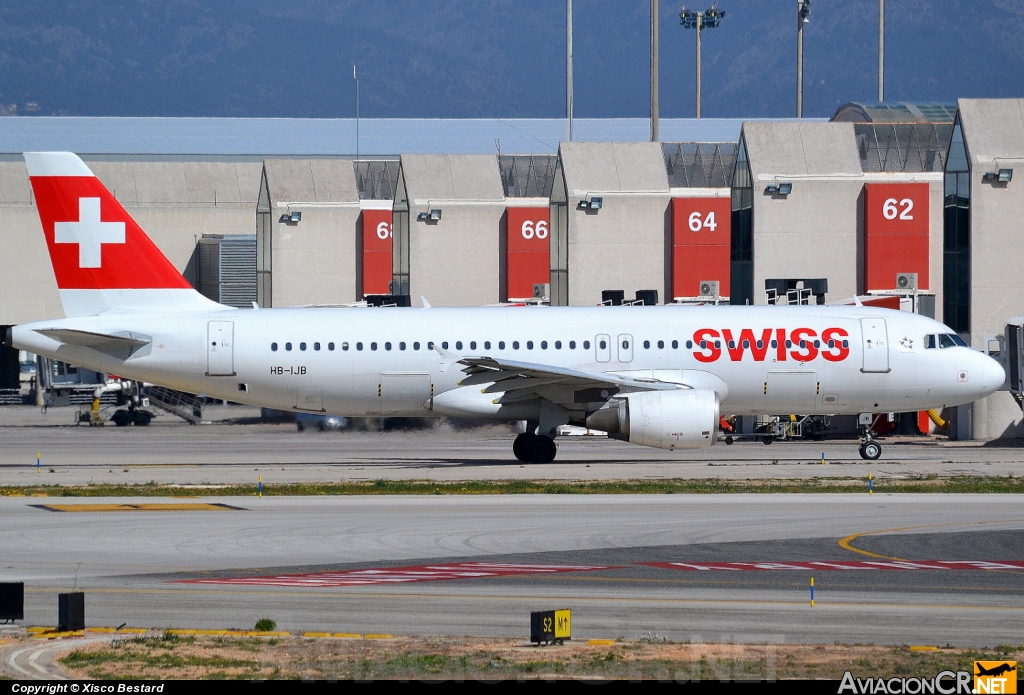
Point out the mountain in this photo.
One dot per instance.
(464, 59)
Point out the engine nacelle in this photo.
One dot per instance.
(680, 419)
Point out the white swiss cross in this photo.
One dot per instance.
(89, 233)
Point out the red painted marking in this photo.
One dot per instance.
(377, 247)
(842, 565)
(400, 575)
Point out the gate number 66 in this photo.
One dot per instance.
(538, 229)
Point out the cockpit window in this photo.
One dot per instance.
(929, 342)
(957, 340)
(946, 341)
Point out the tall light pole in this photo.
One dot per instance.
(356, 78)
(655, 136)
(881, 51)
(700, 19)
(803, 12)
(568, 64)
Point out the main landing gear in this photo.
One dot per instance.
(534, 448)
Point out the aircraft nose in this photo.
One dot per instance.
(991, 375)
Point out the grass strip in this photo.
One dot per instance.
(469, 658)
(954, 484)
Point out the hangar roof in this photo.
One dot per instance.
(801, 149)
(895, 112)
(993, 128)
(613, 167)
(311, 137)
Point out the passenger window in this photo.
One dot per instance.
(501, 344)
(458, 344)
(558, 344)
(603, 345)
(316, 346)
(415, 346)
(586, 344)
(543, 345)
(302, 346)
(718, 343)
(273, 347)
(760, 344)
(789, 343)
(703, 344)
(803, 343)
(689, 344)
(288, 346)
(625, 344)
(817, 343)
(401, 346)
(774, 344)
(675, 344)
(515, 344)
(373, 346)
(529, 344)
(330, 346)
(732, 344)
(929, 342)
(746, 344)
(472, 345)
(572, 344)
(430, 345)
(661, 344)
(444, 345)
(846, 343)
(344, 346)
(487, 345)
(831, 343)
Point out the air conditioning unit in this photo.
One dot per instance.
(541, 290)
(709, 288)
(906, 281)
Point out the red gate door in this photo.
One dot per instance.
(529, 259)
(377, 237)
(701, 239)
(895, 234)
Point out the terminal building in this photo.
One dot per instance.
(914, 203)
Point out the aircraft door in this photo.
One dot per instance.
(625, 348)
(791, 393)
(220, 351)
(310, 399)
(403, 392)
(603, 347)
(875, 345)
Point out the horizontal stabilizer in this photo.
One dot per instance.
(121, 345)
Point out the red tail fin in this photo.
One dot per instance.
(100, 255)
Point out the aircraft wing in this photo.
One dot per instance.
(519, 381)
(121, 345)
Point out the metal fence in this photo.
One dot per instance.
(910, 147)
(699, 164)
(527, 176)
(376, 179)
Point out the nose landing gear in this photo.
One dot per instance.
(870, 449)
(534, 448)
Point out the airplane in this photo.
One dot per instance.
(995, 670)
(658, 376)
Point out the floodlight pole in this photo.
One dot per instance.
(356, 78)
(568, 64)
(803, 9)
(655, 136)
(691, 19)
(881, 51)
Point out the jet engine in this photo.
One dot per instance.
(680, 419)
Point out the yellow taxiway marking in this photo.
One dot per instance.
(142, 507)
(923, 648)
(601, 642)
(844, 543)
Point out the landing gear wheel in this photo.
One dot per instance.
(767, 440)
(728, 441)
(542, 449)
(870, 450)
(521, 448)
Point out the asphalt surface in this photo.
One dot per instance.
(138, 567)
(230, 454)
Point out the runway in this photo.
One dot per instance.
(139, 567)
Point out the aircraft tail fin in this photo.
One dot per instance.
(101, 257)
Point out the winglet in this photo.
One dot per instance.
(426, 304)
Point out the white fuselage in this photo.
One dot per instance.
(361, 362)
